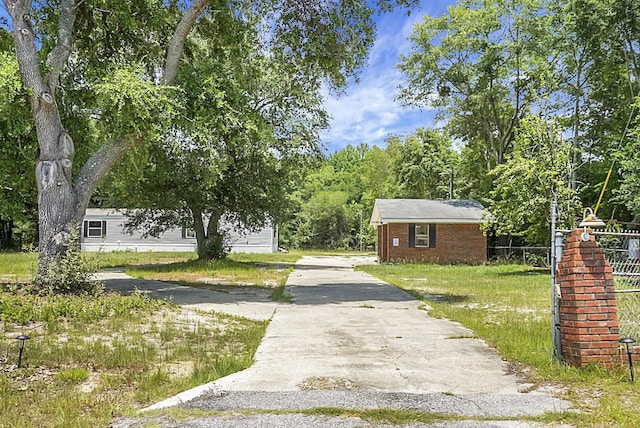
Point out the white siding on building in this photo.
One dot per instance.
(113, 237)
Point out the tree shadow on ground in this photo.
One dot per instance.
(445, 297)
(531, 271)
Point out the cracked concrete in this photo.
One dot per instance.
(347, 328)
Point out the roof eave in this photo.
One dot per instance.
(431, 220)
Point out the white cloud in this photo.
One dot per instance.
(368, 112)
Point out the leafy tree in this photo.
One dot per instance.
(423, 164)
(628, 191)
(535, 173)
(248, 126)
(331, 205)
(347, 165)
(125, 57)
(484, 65)
(329, 224)
(378, 178)
(608, 32)
(18, 211)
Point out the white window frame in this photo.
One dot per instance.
(95, 228)
(421, 235)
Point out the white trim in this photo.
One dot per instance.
(429, 220)
(107, 247)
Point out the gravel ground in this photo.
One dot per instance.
(230, 404)
(299, 420)
(472, 405)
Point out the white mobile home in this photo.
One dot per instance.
(103, 230)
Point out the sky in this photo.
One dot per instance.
(368, 112)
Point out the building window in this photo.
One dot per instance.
(95, 228)
(422, 235)
(188, 233)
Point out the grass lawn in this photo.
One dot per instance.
(246, 270)
(17, 267)
(509, 307)
(92, 358)
(21, 267)
(268, 270)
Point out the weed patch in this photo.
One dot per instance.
(91, 358)
(279, 295)
(217, 273)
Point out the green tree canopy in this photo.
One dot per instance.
(536, 172)
(72, 55)
(483, 65)
(424, 164)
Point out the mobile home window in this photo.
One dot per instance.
(188, 233)
(95, 228)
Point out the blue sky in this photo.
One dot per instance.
(368, 112)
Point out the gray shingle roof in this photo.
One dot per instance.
(426, 210)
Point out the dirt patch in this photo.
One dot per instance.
(228, 281)
(89, 385)
(327, 383)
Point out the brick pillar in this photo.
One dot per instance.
(588, 315)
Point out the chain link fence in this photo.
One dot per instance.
(535, 256)
(622, 250)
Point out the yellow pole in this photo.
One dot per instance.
(604, 187)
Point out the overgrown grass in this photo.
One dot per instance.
(92, 358)
(509, 307)
(237, 270)
(266, 270)
(21, 267)
(134, 258)
(290, 257)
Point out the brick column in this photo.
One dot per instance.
(588, 315)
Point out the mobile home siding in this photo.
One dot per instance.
(116, 239)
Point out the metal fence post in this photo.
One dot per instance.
(556, 255)
(555, 310)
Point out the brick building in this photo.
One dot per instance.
(429, 231)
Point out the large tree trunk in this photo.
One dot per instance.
(210, 241)
(59, 212)
(62, 201)
(57, 202)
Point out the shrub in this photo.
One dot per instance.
(71, 272)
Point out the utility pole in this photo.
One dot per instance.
(361, 220)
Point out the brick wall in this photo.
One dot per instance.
(455, 243)
(587, 307)
(383, 231)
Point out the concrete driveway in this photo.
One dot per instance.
(348, 328)
(349, 339)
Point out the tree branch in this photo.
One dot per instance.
(60, 54)
(97, 167)
(176, 45)
(26, 52)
